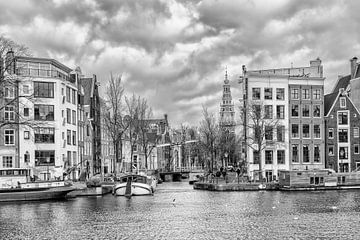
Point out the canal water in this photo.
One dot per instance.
(176, 211)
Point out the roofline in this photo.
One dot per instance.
(333, 104)
(47, 60)
(335, 85)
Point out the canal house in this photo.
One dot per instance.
(342, 122)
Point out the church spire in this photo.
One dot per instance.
(226, 81)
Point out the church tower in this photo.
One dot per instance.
(227, 111)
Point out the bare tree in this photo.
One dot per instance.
(11, 97)
(260, 125)
(209, 131)
(114, 114)
(132, 109)
(146, 139)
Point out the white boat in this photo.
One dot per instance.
(135, 185)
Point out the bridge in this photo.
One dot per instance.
(177, 173)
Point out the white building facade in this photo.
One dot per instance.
(271, 89)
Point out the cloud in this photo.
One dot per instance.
(174, 52)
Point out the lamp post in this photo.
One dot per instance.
(47, 165)
(226, 156)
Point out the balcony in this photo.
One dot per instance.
(43, 73)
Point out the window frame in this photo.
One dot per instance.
(10, 136)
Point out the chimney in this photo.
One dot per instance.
(10, 62)
(352, 66)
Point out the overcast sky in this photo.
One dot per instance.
(174, 53)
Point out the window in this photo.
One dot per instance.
(295, 131)
(9, 136)
(343, 135)
(306, 131)
(280, 110)
(268, 156)
(73, 96)
(256, 157)
(26, 135)
(87, 130)
(44, 112)
(26, 112)
(256, 93)
(7, 161)
(356, 132)
(280, 93)
(9, 113)
(268, 93)
(317, 131)
(356, 148)
(317, 94)
(306, 156)
(331, 150)
(280, 156)
(294, 93)
(44, 158)
(68, 137)
(68, 94)
(268, 112)
(44, 135)
(69, 157)
(280, 133)
(306, 110)
(305, 94)
(9, 92)
(316, 111)
(268, 133)
(74, 117)
(295, 110)
(316, 153)
(26, 89)
(68, 115)
(343, 102)
(74, 158)
(74, 137)
(331, 133)
(343, 152)
(134, 147)
(44, 89)
(342, 118)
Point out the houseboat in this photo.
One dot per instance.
(320, 179)
(16, 185)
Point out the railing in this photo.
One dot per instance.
(43, 73)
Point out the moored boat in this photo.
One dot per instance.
(318, 179)
(14, 186)
(135, 185)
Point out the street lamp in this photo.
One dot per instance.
(226, 156)
(47, 165)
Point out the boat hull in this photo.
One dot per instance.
(137, 189)
(34, 194)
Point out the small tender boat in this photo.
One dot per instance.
(135, 185)
(15, 187)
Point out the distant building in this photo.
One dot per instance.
(92, 110)
(293, 97)
(227, 126)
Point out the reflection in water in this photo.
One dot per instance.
(176, 211)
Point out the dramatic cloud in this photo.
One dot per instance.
(174, 52)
